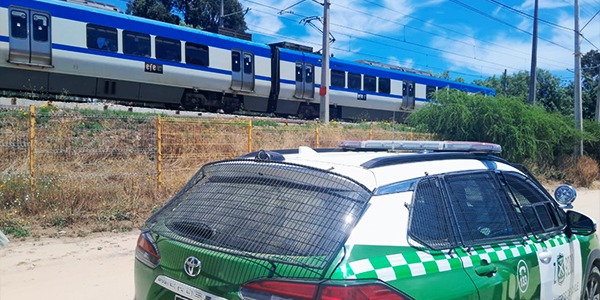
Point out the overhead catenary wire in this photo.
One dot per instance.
(529, 16)
(389, 38)
(512, 50)
(445, 29)
(544, 21)
(469, 7)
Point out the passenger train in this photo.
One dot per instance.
(57, 47)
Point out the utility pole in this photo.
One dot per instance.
(598, 96)
(577, 97)
(221, 21)
(324, 91)
(533, 77)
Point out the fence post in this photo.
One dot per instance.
(249, 135)
(411, 135)
(159, 181)
(370, 133)
(32, 150)
(317, 142)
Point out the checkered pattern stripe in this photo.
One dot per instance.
(412, 263)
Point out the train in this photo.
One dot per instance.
(54, 47)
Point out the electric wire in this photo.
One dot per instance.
(530, 16)
(504, 22)
(459, 41)
(391, 38)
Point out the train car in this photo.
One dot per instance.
(60, 48)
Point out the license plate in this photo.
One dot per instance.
(183, 291)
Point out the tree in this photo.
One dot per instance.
(202, 14)
(590, 66)
(159, 10)
(205, 14)
(550, 93)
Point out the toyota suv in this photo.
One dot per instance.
(369, 220)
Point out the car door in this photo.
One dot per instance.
(499, 260)
(558, 256)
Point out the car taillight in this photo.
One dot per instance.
(147, 251)
(374, 291)
(330, 290)
(263, 290)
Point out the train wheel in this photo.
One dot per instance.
(307, 111)
(194, 101)
(190, 102)
(231, 104)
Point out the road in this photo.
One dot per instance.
(100, 266)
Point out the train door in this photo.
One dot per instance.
(305, 84)
(408, 95)
(30, 41)
(242, 71)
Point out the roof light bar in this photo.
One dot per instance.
(425, 146)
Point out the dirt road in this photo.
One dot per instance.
(100, 266)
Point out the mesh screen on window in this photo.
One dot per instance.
(429, 223)
(482, 212)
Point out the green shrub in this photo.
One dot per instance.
(526, 133)
(591, 144)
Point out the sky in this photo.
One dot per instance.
(472, 39)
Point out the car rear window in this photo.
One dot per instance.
(270, 210)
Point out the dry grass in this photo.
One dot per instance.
(583, 171)
(100, 172)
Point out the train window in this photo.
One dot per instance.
(135, 43)
(309, 73)
(102, 38)
(248, 64)
(430, 91)
(40, 28)
(338, 78)
(235, 61)
(168, 49)
(299, 72)
(354, 81)
(370, 83)
(384, 85)
(196, 54)
(18, 24)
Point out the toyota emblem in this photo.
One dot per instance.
(192, 266)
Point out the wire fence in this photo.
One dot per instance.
(51, 153)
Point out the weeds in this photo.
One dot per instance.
(98, 170)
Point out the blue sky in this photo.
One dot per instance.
(473, 39)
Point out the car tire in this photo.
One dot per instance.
(592, 285)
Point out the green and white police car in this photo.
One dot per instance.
(370, 220)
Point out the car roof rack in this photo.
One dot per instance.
(431, 156)
(421, 146)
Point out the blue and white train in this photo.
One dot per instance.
(56, 47)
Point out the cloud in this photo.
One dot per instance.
(491, 59)
(377, 29)
(545, 4)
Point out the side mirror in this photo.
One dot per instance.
(579, 224)
(565, 195)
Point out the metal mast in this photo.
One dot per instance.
(577, 96)
(324, 91)
(533, 77)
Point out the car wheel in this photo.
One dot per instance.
(592, 286)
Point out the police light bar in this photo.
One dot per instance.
(424, 146)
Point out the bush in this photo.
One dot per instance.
(591, 144)
(581, 171)
(526, 133)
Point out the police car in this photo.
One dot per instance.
(369, 220)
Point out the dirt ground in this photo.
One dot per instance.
(100, 266)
